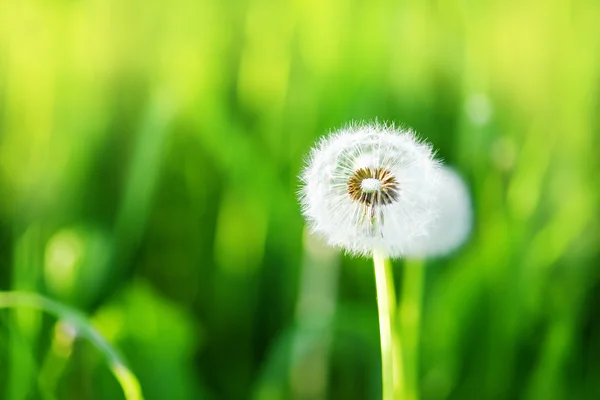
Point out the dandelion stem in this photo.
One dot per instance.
(127, 380)
(391, 365)
(410, 321)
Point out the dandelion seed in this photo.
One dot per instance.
(370, 187)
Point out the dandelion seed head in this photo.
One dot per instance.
(454, 218)
(370, 186)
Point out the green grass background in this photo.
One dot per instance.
(149, 153)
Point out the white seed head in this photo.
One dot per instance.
(370, 187)
(454, 220)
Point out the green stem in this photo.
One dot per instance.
(410, 321)
(126, 378)
(391, 365)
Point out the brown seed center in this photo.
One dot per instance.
(370, 194)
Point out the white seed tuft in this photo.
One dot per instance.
(454, 220)
(370, 187)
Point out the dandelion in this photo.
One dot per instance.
(370, 187)
(453, 222)
(372, 190)
(446, 233)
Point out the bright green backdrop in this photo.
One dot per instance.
(149, 153)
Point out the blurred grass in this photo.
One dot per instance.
(148, 162)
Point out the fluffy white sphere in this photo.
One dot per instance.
(369, 187)
(453, 223)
